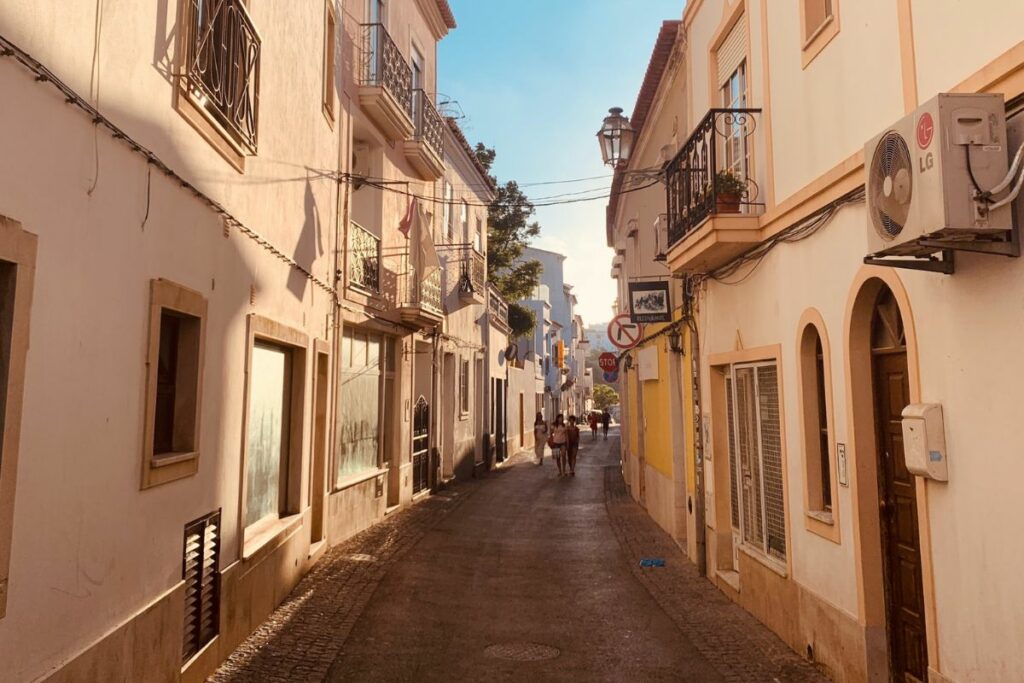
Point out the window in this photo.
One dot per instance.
(201, 575)
(734, 96)
(464, 220)
(222, 68)
(816, 14)
(478, 236)
(464, 387)
(815, 399)
(268, 426)
(449, 211)
(330, 54)
(755, 458)
(819, 21)
(358, 433)
(17, 271)
(274, 428)
(173, 383)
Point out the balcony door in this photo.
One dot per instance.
(417, 88)
(735, 158)
(376, 14)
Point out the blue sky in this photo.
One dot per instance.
(534, 79)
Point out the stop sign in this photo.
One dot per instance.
(609, 362)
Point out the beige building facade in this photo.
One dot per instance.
(220, 308)
(806, 356)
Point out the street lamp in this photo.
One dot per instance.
(616, 138)
(675, 341)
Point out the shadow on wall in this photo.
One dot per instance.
(107, 224)
(310, 244)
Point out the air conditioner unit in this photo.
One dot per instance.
(920, 190)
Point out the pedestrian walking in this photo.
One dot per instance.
(606, 419)
(540, 437)
(559, 438)
(572, 444)
(593, 426)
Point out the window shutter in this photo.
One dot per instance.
(750, 465)
(733, 480)
(771, 456)
(733, 50)
(202, 583)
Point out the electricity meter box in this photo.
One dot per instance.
(924, 441)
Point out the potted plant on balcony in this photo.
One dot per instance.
(729, 189)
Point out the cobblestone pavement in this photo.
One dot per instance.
(305, 634)
(741, 647)
(520, 575)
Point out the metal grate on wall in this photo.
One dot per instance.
(201, 575)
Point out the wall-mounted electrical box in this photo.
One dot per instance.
(924, 441)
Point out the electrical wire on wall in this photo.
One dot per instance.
(44, 75)
(794, 233)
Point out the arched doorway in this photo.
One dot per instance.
(893, 570)
(897, 495)
(420, 445)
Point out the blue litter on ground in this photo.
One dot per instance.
(652, 562)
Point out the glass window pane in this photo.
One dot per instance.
(359, 409)
(267, 427)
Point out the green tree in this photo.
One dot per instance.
(604, 396)
(509, 231)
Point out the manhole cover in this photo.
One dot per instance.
(522, 652)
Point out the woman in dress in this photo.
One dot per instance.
(540, 437)
(572, 444)
(559, 437)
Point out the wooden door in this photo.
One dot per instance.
(319, 474)
(901, 544)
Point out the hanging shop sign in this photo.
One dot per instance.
(649, 302)
(623, 332)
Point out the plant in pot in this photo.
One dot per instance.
(729, 189)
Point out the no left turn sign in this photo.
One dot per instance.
(623, 333)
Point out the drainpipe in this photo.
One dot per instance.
(698, 432)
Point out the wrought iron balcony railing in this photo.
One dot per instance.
(222, 68)
(428, 122)
(364, 259)
(472, 272)
(712, 174)
(424, 291)
(385, 67)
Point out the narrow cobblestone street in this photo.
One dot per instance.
(537, 578)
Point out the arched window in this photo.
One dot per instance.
(815, 395)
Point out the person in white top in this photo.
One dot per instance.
(559, 437)
(540, 437)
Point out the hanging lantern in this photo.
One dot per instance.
(616, 138)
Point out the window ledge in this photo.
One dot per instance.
(821, 37)
(264, 537)
(772, 564)
(165, 459)
(354, 479)
(730, 577)
(823, 516)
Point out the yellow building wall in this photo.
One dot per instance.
(632, 412)
(657, 416)
(689, 431)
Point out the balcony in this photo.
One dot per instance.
(420, 304)
(363, 260)
(222, 69)
(385, 86)
(499, 310)
(425, 151)
(713, 205)
(472, 276)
